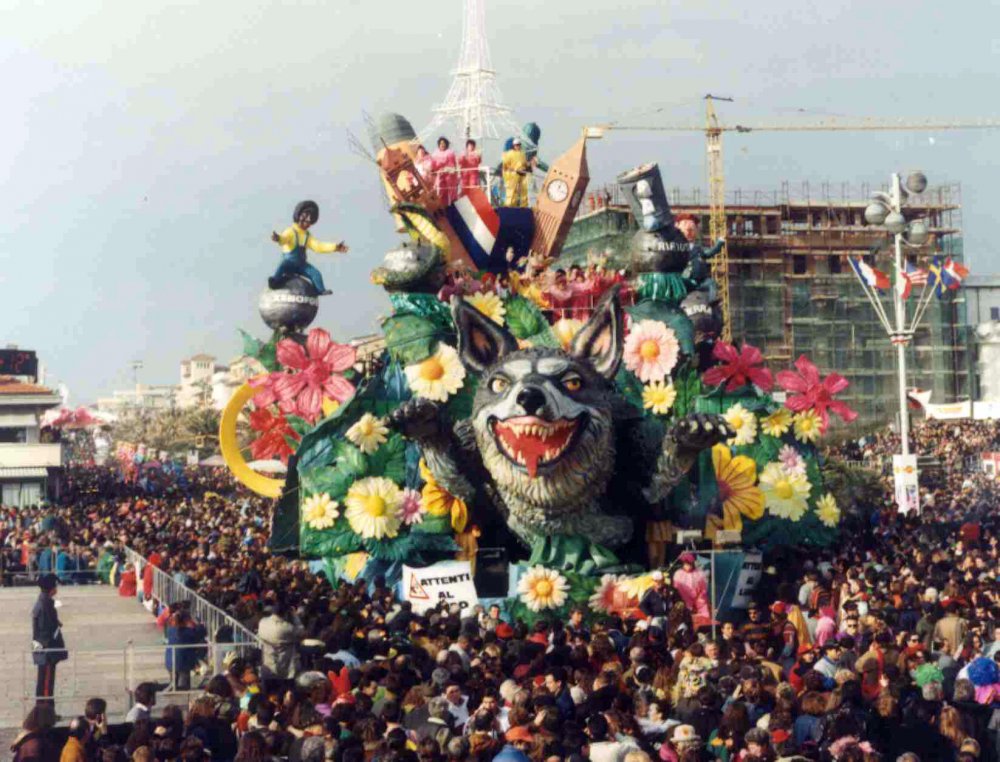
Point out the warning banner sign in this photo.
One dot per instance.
(446, 582)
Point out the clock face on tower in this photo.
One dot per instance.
(557, 190)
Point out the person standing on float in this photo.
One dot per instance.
(469, 163)
(294, 241)
(515, 175)
(445, 166)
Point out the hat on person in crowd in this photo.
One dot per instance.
(504, 631)
(642, 625)
(440, 676)
(508, 689)
(48, 582)
(970, 746)
(685, 734)
(656, 576)
(778, 607)
(516, 141)
(805, 648)
(687, 557)
(519, 734)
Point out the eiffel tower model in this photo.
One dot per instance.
(473, 107)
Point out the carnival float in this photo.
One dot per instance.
(583, 443)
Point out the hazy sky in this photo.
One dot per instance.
(149, 148)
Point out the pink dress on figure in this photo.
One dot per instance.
(693, 589)
(469, 164)
(445, 167)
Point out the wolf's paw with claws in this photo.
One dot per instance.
(418, 418)
(701, 431)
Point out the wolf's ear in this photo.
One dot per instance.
(481, 342)
(601, 340)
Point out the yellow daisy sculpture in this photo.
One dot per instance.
(786, 494)
(808, 426)
(373, 507)
(319, 511)
(659, 397)
(744, 423)
(827, 510)
(738, 490)
(437, 377)
(777, 423)
(489, 304)
(368, 434)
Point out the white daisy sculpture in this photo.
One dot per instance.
(540, 588)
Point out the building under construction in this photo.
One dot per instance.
(792, 290)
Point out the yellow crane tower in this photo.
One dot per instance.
(713, 130)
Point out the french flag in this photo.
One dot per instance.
(868, 274)
(476, 223)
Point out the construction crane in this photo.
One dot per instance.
(713, 130)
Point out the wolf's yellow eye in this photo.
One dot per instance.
(499, 385)
(572, 383)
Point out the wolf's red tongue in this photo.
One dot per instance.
(532, 450)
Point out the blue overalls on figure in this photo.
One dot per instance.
(294, 262)
(295, 241)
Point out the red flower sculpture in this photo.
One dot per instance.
(319, 364)
(811, 392)
(738, 368)
(272, 442)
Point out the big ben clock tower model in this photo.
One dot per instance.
(559, 199)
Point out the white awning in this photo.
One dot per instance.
(26, 472)
(18, 419)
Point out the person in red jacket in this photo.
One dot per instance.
(155, 560)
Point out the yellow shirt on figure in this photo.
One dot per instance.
(515, 177)
(293, 237)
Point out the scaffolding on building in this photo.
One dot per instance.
(791, 287)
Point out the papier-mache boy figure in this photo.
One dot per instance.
(295, 240)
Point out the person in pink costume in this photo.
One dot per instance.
(826, 626)
(445, 167)
(692, 584)
(469, 163)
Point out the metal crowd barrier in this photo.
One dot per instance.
(114, 675)
(167, 590)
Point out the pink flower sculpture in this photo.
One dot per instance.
(319, 364)
(738, 368)
(812, 393)
(651, 350)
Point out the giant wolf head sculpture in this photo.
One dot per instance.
(543, 422)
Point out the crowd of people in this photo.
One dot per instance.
(559, 292)
(881, 648)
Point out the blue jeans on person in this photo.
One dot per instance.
(294, 263)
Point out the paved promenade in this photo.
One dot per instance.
(97, 625)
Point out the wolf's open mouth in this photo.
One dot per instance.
(531, 442)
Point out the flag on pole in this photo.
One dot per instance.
(935, 278)
(908, 278)
(917, 276)
(954, 273)
(918, 398)
(869, 275)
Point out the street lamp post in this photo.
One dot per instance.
(901, 337)
(887, 209)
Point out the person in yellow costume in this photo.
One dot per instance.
(295, 240)
(516, 170)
